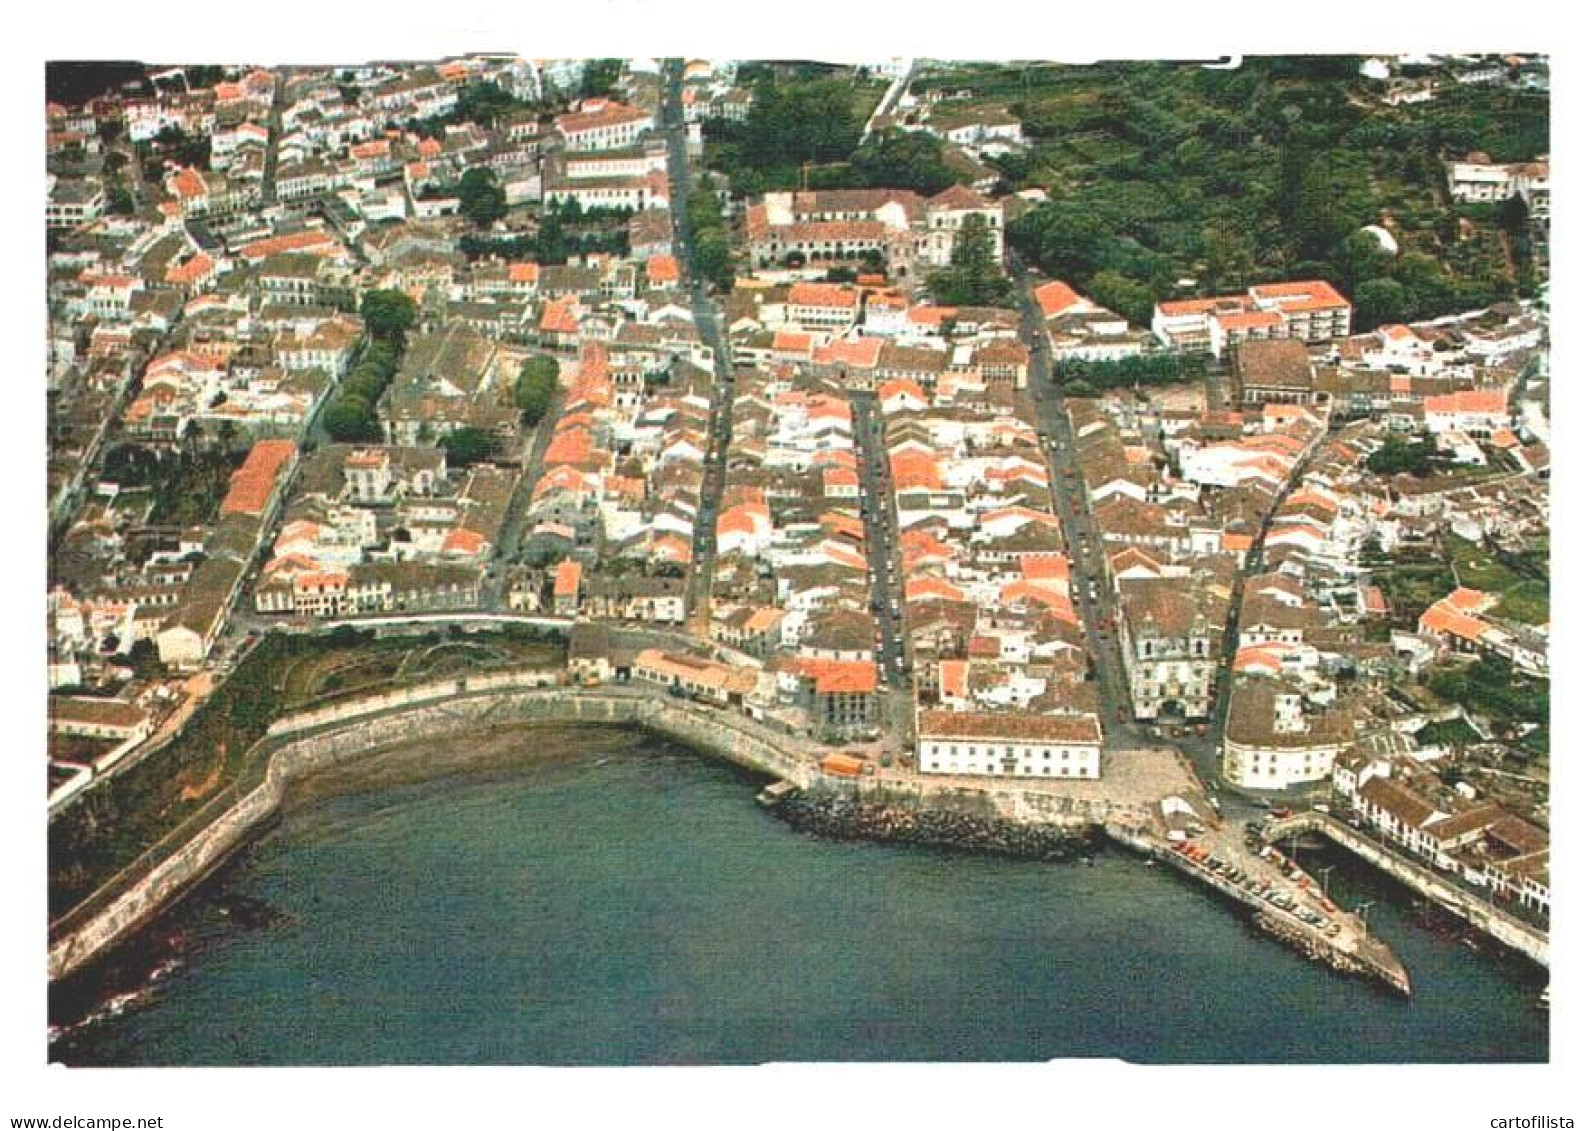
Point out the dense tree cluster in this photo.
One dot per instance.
(1492, 687)
(712, 244)
(482, 198)
(467, 446)
(1127, 372)
(387, 315)
(790, 123)
(1160, 173)
(484, 103)
(536, 385)
(1398, 456)
(899, 159)
(565, 230)
(600, 78)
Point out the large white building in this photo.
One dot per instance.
(1311, 310)
(1479, 180)
(601, 124)
(1272, 743)
(1009, 745)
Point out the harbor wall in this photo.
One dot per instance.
(299, 746)
(1479, 913)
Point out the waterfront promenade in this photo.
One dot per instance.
(346, 735)
(1480, 912)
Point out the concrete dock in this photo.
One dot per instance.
(1287, 904)
(1512, 932)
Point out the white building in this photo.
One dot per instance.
(1009, 745)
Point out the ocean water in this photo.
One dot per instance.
(625, 902)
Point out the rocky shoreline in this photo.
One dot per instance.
(843, 818)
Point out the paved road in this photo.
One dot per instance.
(707, 319)
(273, 145)
(889, 100)
(510, 541)
(880, 535)
(1091, 594)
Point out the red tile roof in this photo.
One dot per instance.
(252, 483)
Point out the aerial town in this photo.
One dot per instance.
(882, 411)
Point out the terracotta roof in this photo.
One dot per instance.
(568, 574)
(1474, 401)
(252, 483)
(1067, 729)
(1441, 618)
(1055, 297)
(841, 677)
(823, 294)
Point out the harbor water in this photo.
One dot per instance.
(625, 902)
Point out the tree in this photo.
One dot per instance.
(1514, 215)
(348, 419)
(388, 314)
(1229, 259)
(1378, 302)
(536, 385)
(1359, 259)
(974, 277)
(484, 102)
(897, 159)
(1128, 297)
(1397, 456)
(1314, 226)
(600, 77)
(1061, 238)
(482, 198)
(467, 445)
(712, 260)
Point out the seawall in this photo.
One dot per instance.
(1493, 921)
(300, 746)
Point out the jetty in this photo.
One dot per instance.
(1476, 909)
(1284, 901)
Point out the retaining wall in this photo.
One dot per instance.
(298, 746)
(1512, 932)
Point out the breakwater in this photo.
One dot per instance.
(1355, 952)
(842, 817)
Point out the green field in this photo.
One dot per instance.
(1524, 596)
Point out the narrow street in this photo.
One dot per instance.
(708, 322)
(273, 145)
(880, 536)
(509, 544)
(1091, 594)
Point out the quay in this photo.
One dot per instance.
(338, 737)
(1304, 919)
(1512, 932)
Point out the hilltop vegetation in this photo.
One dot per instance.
(814, 116)
(1160, 172)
